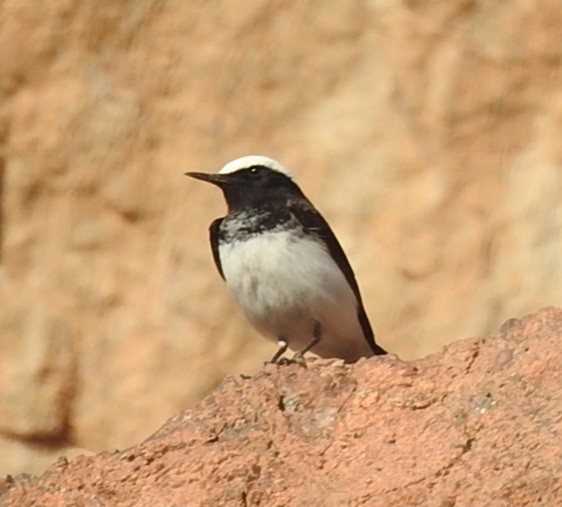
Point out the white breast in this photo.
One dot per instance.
(285, 283)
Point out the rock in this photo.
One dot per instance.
(428, 134)
(35, 454)
(478, 424)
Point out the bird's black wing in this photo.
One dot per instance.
(315, 223)
(214, 237)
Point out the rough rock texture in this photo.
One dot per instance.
(427, 132)
(479, 424)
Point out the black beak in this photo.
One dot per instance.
(220, 180)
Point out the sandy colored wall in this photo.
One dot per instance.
(428, 134)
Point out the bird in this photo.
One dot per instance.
(284, 265)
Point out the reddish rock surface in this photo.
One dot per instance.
(478, 424)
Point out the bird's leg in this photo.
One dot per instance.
(283, 344)
(316, 335)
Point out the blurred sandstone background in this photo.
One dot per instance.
(428, 133)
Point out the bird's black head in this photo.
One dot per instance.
(252, 182)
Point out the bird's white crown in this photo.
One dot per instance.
(250, 160)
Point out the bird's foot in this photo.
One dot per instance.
(298, 358)
(284, 361)
(278, 356)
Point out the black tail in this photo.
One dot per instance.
(368, 332)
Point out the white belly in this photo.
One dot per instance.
(284, 284)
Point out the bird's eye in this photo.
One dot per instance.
(256, 169)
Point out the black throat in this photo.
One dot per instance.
(244, 223)
(260, 200)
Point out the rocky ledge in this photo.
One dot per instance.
(480, 423)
